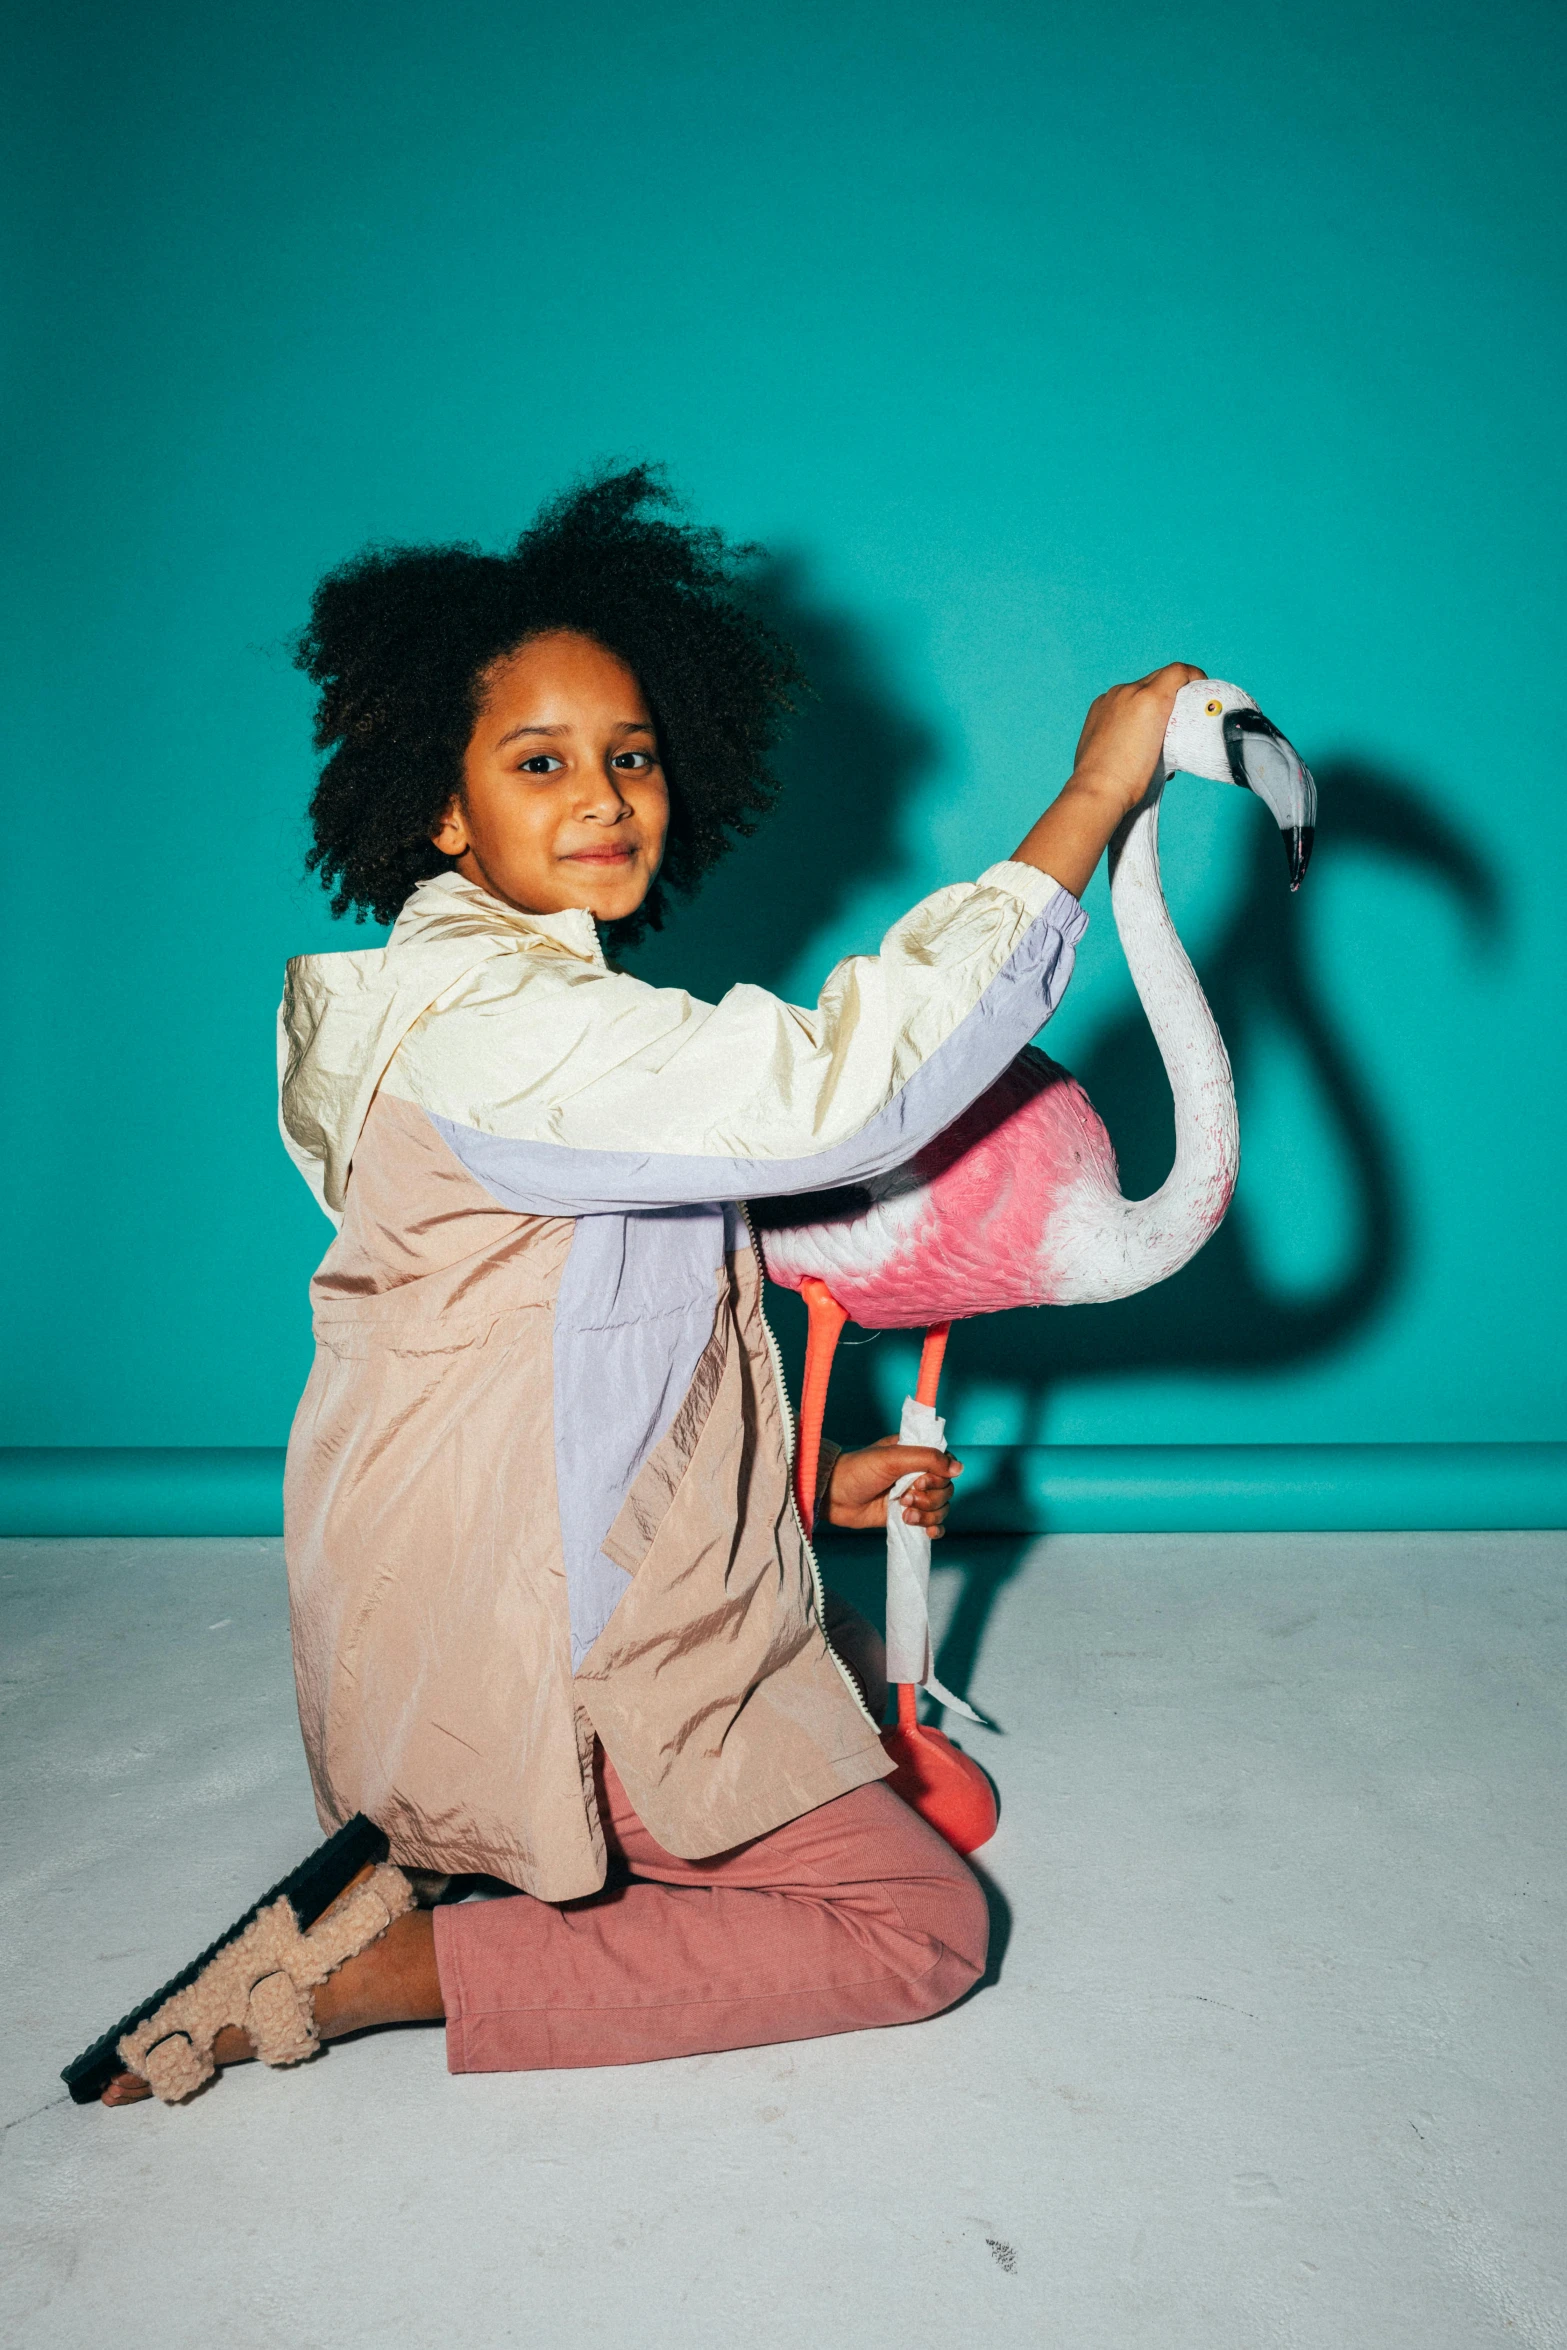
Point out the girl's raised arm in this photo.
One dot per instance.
(570, 1089)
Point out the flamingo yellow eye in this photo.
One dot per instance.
(1214, 707)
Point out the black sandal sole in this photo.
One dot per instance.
(311, 1888)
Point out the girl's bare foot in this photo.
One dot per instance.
(392, 1982)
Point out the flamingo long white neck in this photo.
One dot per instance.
(1110, 1246)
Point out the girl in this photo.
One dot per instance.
(555, 1621)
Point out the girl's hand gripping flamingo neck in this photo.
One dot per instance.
(1118, 750)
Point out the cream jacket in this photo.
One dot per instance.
(538, 1483)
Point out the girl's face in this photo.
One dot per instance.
(563, 801)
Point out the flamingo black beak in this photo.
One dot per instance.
(1263, 762)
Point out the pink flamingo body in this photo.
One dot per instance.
(1019, 1202)
(984, 1218)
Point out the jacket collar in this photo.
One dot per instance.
(448, 903)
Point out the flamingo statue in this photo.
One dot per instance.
(1019, 1204)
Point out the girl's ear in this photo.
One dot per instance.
(451, 834)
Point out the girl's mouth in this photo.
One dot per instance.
(620, 856)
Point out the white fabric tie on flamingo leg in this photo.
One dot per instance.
(908, 1572)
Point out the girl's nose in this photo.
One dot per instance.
(602, 801)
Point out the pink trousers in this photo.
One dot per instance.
(856, 1914)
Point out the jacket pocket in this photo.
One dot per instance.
(365, 1337)
(658, 1480)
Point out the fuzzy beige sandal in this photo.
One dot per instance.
(262, 1982)
(310, 1890)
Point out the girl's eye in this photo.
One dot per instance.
(541, 763)
(641, 760)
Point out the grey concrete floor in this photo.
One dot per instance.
(1276, 2054)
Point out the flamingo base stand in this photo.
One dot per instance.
(937, 1779)
(943, 1784)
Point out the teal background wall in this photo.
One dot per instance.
(1039, 344)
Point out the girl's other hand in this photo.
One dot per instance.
(860, 1482)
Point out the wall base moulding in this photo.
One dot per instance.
(1006, 1489)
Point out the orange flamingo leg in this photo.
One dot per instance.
(932, 1355)
(942, 1783)
(825, 1321)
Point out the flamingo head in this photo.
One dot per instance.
(1218, 732)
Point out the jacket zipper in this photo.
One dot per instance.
(791, 1437)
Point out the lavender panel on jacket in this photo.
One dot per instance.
(555, 1179)
(635, 1310)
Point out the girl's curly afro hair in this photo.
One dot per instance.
(400, 638)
